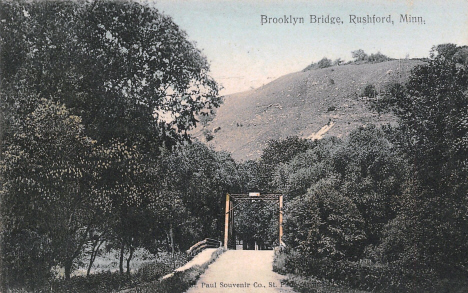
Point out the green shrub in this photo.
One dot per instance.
(208, 135)
(95, 283)
(152, 271)
(179, 281)
(386, 100)
(324, 63)
(392, 277)
(369, 91)
(279, 262)
(377, 58)
(359, 55)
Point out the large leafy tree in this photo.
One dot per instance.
(296, 176)
(201, 178)
(325, 223)
(275, 153)
(135, 85)
(141, 61)
(372, 172)
(46, 192)
(110, 63)
(433, 114)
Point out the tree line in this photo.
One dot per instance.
(385, 209)
(359, 56)
(96, 104)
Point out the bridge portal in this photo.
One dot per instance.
(229, 215)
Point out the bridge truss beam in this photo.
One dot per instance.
(229, 212)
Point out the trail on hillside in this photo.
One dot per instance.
(241, 271)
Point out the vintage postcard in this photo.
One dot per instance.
(234, 146)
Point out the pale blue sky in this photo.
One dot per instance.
(244, 54)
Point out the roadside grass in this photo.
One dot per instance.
(307, 284)
(179, 281)
(302, 284)
(105, 275)
(146, 276)
(309, 275)
(109, 262)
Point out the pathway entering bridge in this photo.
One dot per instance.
(243, 271)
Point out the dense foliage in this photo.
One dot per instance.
(361, 57)
(386, 208)
(96, 104)
(97, 100)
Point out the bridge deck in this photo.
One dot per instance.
(241, 271)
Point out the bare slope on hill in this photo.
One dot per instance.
(311, 104)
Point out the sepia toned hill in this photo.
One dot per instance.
(311, 104)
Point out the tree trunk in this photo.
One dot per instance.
(94, 253)
(122, 247)
(171, 234)
(129, 259)
(68, 267)
(168, 241)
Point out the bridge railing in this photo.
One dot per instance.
(199, 246)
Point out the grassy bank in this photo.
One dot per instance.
(325, 275)
(307, 284)
(179, 281)
(147, 278)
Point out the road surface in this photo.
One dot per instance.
(241, 271)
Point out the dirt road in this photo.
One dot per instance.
(241, 271)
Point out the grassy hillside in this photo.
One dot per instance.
(312, 104)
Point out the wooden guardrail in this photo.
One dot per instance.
(206, 243)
